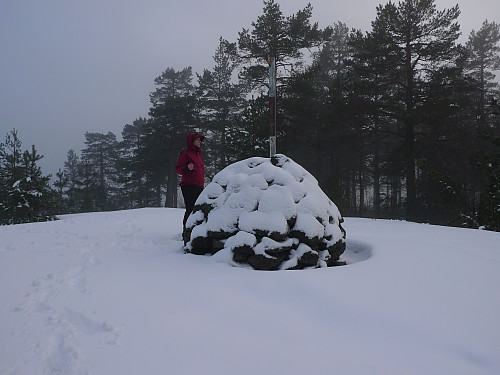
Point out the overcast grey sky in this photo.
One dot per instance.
(72, 66)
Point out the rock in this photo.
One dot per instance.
(264, 263)
(203, 207)
(216, 245)
(201, 246)
(220, 235)
(242, 253)
(309, 259)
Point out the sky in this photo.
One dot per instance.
(68, 67)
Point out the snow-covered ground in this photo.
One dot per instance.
(113, 293)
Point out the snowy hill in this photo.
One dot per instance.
(113, 293)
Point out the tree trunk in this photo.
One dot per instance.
(171, 200)
(361, 191)
(411, 184)
(411, 193)
(376, 176)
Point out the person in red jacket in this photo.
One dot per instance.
(192, 169)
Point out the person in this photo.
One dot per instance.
(192, 169)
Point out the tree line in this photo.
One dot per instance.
(401, 121)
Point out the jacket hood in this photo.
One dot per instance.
(190, 138)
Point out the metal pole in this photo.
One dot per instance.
(272, 105)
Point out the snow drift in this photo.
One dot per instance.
(114, 293)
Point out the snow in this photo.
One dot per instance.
(308, 224)
(113, 293)
(273, 197)
(264, 221)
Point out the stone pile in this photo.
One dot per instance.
(267, 213)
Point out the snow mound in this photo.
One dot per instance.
(267, 213)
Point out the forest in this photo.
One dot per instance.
(401, 121)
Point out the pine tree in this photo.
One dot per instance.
(251, 136)
(61, 184)
(12, 200)
(73, 185)
(416, 39)
(273, 34)
(332, 116)
(488, 163)
(221, 103)
(133, 174)
(41, 200)
(11, 158)
(447, 134)
(284, 38)
(100, 157)
(173, 116)
(484, 59)
(26, 195)
(87, 187)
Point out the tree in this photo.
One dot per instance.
(447, 135)
(331, 60)
(11, 158)
(100, 157)
(10, 176)
(60, 184)
(275, 35)
(339, 106)
(250, 137)
(417, 38)
(26, 195)
(221, 103)
(73, 183)
(41, 200)
(484, 58)
(284, 38)
(133, 174)
(488, 163)
(173, 116)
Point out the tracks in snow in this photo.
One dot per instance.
(55, 321)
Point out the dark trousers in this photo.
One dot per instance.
(190, 193)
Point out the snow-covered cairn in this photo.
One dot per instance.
(268, 213)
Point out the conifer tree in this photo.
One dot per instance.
(41, 200)
(73, 183)
(488, 163)
(100, 157)
(11, 158)
(484, 59)
(249, 139)
(61, 184)
(331, 116)
(26, 195)
(133, 175)
(286, 39)
(273, 34)
(221, 103)
(416, 38)
(173, 116)
(12, 200)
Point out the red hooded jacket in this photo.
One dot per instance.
(191, 154)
